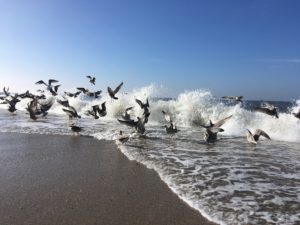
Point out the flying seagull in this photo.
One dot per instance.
(139, 125)
(253, 138)
(126, 115)
(52, 89)
(72, 94)
(217, 124)
(71, 112)
(268, 109)
(112, 93)
(92, 79)
(235, 98)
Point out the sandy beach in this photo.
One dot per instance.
(48, 179)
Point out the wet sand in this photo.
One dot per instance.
(69, 180)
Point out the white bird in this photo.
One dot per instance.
(253, 138)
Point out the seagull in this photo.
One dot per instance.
(49, 85)
(92, 79)
(122, 138)
(139, 125)
(297, 114)
(213, 129)
(31, 108)
(76, 129)
(5, 91)
(64, 103)
(253, 138)
(102, 112)
(96, 110)
(89, 93)
(93, 112)
(210, 135)
(72, 113)
(141, 104)
(12, 103)
(268, 109)
(217, 124)
(72, 94)
(172, 129)
(112, 93)
(144, 106)
(236, 98)
(54, 90)
(126, 115)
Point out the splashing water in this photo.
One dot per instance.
(229, 182)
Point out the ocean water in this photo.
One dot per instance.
(229, 182)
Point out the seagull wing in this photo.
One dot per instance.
(118, 88)
(259, 133)
(41, 82)
(130, 123)
(52, 81)
(221, 122)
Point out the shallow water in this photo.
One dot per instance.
(230, 181)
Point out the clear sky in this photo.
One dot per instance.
(232, 47)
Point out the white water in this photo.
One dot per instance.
(230, 182)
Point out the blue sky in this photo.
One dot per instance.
(232, 47)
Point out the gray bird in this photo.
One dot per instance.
(76, 129)
(126, 115)
(139, 125)
(171, 129)
(122, 137)
(253, 138)
(210, 136)
(112, 93)
(92, 79)
(71, 112)
(268, 109)
(235, 98)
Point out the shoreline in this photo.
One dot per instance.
(61, 179)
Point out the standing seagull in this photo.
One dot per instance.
(122, 138)
(253, 138)
(112, 93)
(92, 79)
(76, 129)
(210, 135)
(172, 129)
(213, 129)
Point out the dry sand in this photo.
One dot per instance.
(69, 180)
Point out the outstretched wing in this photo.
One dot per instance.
(52, 81)
(41, 82)
(260, 132)
(167, 117)
(221, 122)
(118, 88)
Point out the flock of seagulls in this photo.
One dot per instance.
(39, 106)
